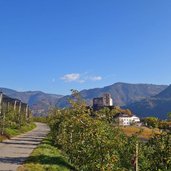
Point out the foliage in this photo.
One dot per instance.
(90, 143)
(159, 153)
(165, 125)
(10, 132)
(93, 143)
(106, 114)
(14, 119)
(151, 122)
(40, 119)
(11, 118)
(156, 123)
(169, 116)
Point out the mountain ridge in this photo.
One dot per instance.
(122, 93)
(37, 100)
(157, 106)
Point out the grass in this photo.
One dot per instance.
(46, 157)
(11, 132)
(141, 132)
(40, 119)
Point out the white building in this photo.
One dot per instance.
(126, 120)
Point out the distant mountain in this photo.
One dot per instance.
(122, 93)
(142, 99)
(37, 100)
(166, 93)
(158, 105)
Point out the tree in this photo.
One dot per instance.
(159, 152)
(169, 116)
(151, 122)
(90, 143)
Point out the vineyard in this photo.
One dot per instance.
(13, 113)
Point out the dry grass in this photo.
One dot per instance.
(141, 132)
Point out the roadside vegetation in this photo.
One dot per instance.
(41, 119)
(47, 157)
(11, 132)
(13, 121)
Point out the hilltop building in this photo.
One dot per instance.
(100, 102)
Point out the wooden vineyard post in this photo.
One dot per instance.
(19, 114)
(1, 117)
(27, 110)
(136, 161)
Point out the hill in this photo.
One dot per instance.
(158, 105)
(37, 100)
(122, 93)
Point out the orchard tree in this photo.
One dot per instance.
(169, 116)
(151, 122)
(159, 152)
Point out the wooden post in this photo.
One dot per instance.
(1, 98)
(8, 106)
(1, 117)
(5, 106)
(15, 105)
(27, 112)
(136, 166)
(19, 113)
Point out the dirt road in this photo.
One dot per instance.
(15, 151)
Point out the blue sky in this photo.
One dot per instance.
(57, 45)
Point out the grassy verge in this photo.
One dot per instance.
(11, 132)
(46, 157)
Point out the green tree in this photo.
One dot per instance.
(90, 143)
(151, 122)
(159, 152)
(169, 116)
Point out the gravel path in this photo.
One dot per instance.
(15, 151)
